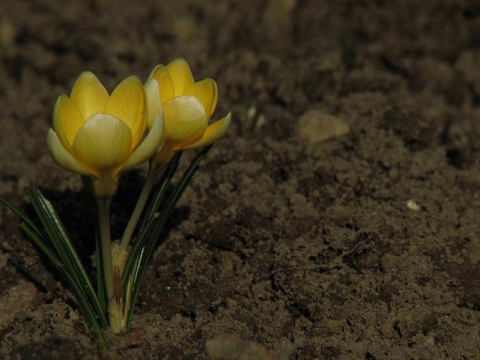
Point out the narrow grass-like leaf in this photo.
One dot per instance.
(137, 248)
(152, 236)
(137, 276)
(151, 216)
(184, 181)
(21, 215)
(84, 306)
(66, 252)
(63, 257)
(73, 256)
(50, 228)
(41, 244)
(165, 181)
(101, 290)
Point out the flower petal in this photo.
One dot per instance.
(62, 156)
(67, 119)
(149, 146)
(89, 94)
(185, 120)
(181, 75)
(212, 134)
(127, 103)
(154, 102)
(165, 82)
(103, 143)
(206, 91)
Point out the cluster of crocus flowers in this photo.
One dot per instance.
(99, 135)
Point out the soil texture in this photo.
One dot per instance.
(337, 219)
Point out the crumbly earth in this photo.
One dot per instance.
(337, 219)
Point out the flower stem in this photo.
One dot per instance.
(103, 209)
(137, 212)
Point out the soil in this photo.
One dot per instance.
(337, 219)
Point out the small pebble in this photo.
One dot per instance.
(315, 126)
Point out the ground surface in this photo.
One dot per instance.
(338, 219)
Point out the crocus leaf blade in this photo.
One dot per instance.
(150, 234)
(66, 251)
(21, 215)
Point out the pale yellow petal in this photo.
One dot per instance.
(103, 143)
(154, 102)
(165, 82)
(67, 119)
(206, 91)
(150, 145)
(128, 104)
(89, 94)
(185, 120)
(62, 156)
(181, 75)
(212, 134)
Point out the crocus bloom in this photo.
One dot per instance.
(99, 135)
(187, 107)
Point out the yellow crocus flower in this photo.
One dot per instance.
(187, 107)
(99, 135)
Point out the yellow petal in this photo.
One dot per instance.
(154, 102)
(212, 134)
(150, 145)
(103, 143)
(89, 94)
(206, 91)
(62, 156)
(67, 119)
(181, 75)
(165, 82)
(185, 120)
(127, 103)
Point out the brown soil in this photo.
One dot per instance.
(297, 239)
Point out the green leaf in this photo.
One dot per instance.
(101, 289)
(150, 218)
(62, 255)
(66, 252)
(21, 215)
(85, 309)
(184, 181)
(149, 235)
(164, 182)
